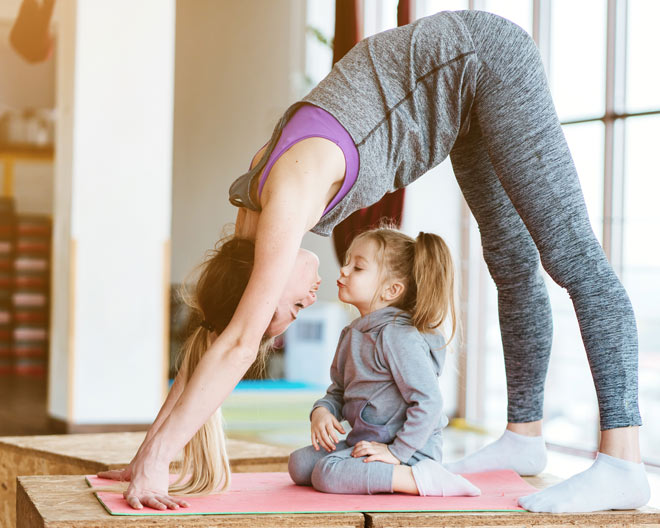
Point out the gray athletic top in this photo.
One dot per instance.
(385, 383)
(404, 96)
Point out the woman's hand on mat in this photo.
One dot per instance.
(324, 425)
(148, 487)
(374, 451)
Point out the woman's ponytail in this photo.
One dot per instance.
(221, 283)
(205, 465)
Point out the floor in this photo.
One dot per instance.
(23, 408)
(278, 416)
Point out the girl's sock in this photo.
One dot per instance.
(609, 484)
(524, 454)
(433, 479)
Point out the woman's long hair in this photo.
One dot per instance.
(223, 277)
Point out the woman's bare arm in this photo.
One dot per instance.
(291, 205)
(282, 223)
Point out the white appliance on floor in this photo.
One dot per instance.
(310, 343)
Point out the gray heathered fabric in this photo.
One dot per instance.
(395, 93)
(403, 95)
(385, 384)
(518, 177)
(385, 374)
(471, 84)
(339, 472)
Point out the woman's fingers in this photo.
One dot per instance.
(114, 474)
(133, 501)
(181, 502)
(157, 502)
(153, 502)
(167, 501)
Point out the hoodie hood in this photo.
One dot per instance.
(377, 320)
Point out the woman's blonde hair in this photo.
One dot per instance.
(223, 277)
(424, 266)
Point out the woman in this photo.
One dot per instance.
(469, 84)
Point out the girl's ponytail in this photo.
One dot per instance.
(425, 266)
(433, 284)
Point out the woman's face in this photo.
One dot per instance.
(299, 292)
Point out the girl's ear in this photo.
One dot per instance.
(393, 291)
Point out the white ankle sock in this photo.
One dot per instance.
(433, 479)
(524, 454)
(609, 484)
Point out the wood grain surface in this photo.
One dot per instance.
(66, 502)
(645, 517)
(81, 454)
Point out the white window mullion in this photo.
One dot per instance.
(614, 133)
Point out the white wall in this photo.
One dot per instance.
(113, 211)
(239, 65)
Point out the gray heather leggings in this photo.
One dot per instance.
(517, 175)
(339, 472)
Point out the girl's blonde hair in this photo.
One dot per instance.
(425, 268)
(223, 277)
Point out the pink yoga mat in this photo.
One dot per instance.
(276, 493)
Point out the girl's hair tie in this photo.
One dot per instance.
(207, 325)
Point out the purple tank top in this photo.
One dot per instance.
(311, 121)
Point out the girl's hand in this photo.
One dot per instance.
(149, 486)
(323, 429)
(374, 451)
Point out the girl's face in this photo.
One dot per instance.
(359, 282)
(299, 292)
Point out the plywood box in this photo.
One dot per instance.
(65, 502)
(82, 454)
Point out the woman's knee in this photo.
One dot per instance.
(513, 264)
(578, 265)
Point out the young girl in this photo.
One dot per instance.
(385, 374)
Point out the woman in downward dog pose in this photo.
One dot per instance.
(385, 374)
(467, 84)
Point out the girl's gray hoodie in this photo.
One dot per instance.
(385, 384)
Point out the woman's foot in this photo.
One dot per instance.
(524, 454)
(432, 479)
(609, 484)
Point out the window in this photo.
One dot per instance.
(605, 91)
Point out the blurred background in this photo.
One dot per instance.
(117, 149)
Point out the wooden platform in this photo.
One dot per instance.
(89, 453)
(65, 502)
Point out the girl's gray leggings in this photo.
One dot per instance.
(517, 175)
(339, 472)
